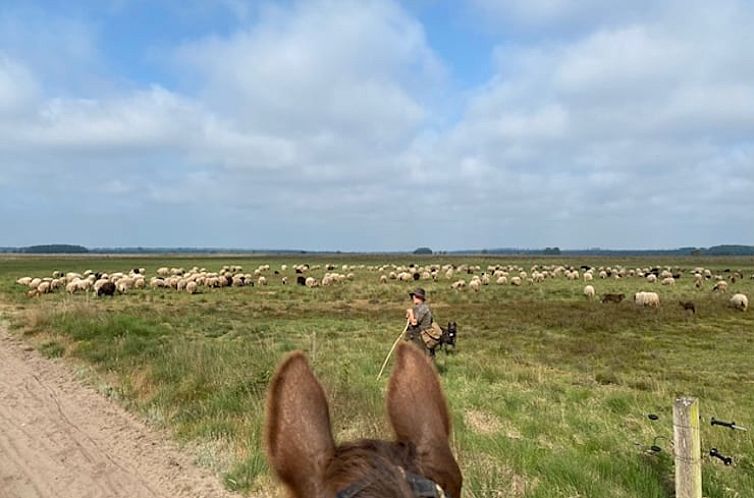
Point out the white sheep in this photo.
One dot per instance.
(651, 278)
(475, 284)
(516, 281)
(261, 281)
(502, 280)
(458, 284)
(191, 287)
(721, 286)
(589, 291)
(668, 281)
(383, 279)
(649, 299)
(311, 282)
(588, 277)
(25, 281)
(739, 301)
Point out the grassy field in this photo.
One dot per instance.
(549, 393)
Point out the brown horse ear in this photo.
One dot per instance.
(419, 416)
(298, 435)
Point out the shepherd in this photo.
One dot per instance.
(422, 330)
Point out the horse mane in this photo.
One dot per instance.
(376, 468)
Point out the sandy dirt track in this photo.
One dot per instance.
(61, 439)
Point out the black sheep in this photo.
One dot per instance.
(106, 289)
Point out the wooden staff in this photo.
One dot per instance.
(397, 340)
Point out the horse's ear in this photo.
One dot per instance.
(419, 416)
(297, 433)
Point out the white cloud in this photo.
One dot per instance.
(317, 124)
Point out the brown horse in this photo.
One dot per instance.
(303, 454)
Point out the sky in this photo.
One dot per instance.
(377, 125)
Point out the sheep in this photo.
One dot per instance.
(383, 279)
(284, 280)
(43, 288)
(107, 288)
(668, 281)
(475, 285)
(651, 278)
(25, 281)
(588, 277)
(311, 282)
(458, 284)
(191, 287)
(720, 286)
(261, 281)
(648, 299)
(589, 291)
(516, 281)
(502, 280)
(739, 302)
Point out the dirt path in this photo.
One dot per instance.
(61, 439)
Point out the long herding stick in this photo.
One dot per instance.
(384, 363)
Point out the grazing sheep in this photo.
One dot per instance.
(25, 281)
(503, 280)
(613, 298)
(588, 277)
(647, 299)
(516, 281)
(739, 302)
(383, 279)
(589, 291)
(262, 281)
(651, 278)
(107, 288)
(459, 284)
(311, 282)
(191, 287)
(688, 306)
(43, 288)
(475, 285)
(668, 281)
(721, 286)
(284, 280)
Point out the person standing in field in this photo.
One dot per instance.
(421, 328)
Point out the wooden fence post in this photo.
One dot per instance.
(688, 448)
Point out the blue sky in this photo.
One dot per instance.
(377, 125)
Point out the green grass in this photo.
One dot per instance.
(549, 393)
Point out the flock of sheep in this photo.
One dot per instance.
(179, 279)
(194, 279)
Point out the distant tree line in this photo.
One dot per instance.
(54, 249)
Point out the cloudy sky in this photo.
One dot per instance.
(377, 125)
